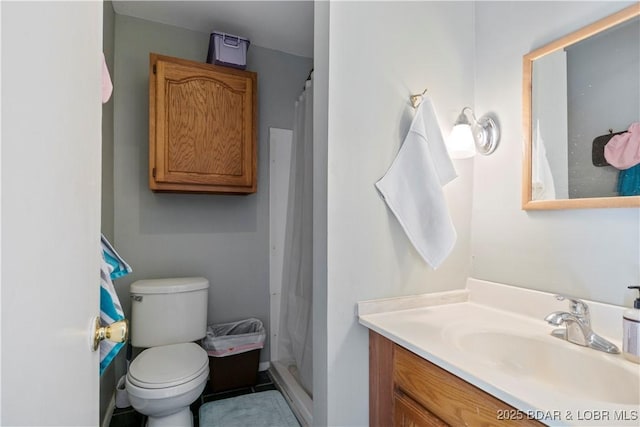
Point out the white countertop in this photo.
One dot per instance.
(439, 327)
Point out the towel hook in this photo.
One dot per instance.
(417, 99)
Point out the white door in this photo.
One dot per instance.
(50, 219)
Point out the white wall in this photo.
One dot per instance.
(590, 253)
(378, 54)
(373, 56)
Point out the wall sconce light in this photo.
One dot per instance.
(470, 137)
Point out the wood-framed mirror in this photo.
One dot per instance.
(579, 91)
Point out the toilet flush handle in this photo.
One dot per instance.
(116, 332)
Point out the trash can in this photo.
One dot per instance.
(234, 353)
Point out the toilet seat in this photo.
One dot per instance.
(152, 394)
(168, 366)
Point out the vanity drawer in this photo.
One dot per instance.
(451, 399)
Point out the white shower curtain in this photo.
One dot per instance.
(295, 339)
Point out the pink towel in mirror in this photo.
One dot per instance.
(623, 151)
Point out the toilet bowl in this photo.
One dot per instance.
(163, 381)
(167, 316)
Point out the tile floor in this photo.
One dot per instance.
(128, 417)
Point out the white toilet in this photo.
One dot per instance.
(167, 315)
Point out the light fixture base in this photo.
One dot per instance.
(486, 135)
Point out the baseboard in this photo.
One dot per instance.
(109, 412)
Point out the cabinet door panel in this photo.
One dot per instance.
(407, 413)
(204, 128)
(203, 133)
(450, 398)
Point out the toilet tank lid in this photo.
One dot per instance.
(169, 286)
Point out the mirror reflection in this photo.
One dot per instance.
(583, 136)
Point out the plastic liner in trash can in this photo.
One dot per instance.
(227, 339)
(234, 353)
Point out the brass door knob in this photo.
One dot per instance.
(116, 332)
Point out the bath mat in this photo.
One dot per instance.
(263, 409)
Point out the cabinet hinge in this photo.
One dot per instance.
(154, 68)
(153, 172)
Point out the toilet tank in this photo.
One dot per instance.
(168, 311)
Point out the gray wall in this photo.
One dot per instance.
(604, 93)
(223, 238)
(321, 15)
(108, 47)
(108, 378)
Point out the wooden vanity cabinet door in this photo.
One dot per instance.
(408, 413)
(449, 397)
(201, 127)
(407, 390)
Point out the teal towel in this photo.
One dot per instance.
(264, 409)
(629, 181)
(112, 267)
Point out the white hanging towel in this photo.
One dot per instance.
(111, 267)
(412, 187)
(542, 185)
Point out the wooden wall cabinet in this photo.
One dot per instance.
(408, 391)
(202, 127)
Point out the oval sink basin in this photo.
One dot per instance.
(577, 371)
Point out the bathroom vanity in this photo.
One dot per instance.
(485, 356)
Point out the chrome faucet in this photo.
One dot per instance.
(578, 326)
